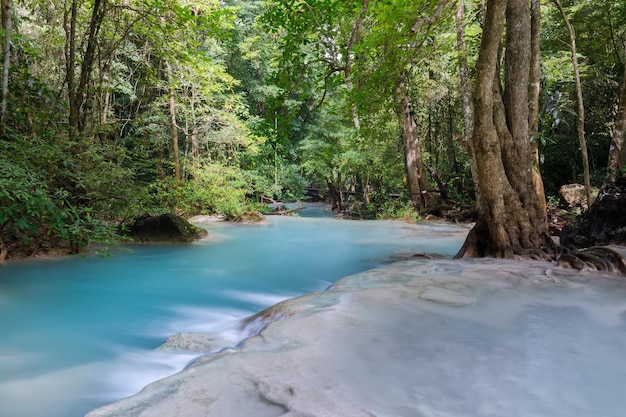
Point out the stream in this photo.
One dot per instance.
(81, 332)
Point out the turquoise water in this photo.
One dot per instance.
(80, 332)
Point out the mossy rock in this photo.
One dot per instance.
(166, 228)
(252, 217)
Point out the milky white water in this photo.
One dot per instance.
(80, 332)
(438, 338)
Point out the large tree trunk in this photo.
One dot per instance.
(510, 219)
(617, 153)
(416, 180)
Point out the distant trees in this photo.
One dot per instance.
(117, 107)
(7, 27)
(617, 154)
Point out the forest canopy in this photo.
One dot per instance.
(111, 109)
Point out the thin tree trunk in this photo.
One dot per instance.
(466, 86)
(173, 125)
(7, 9)
(416, 181)
(336, 194)
(466, 91)
(355, 35)
(365, 184)
(195, 151)
(77, 92)
(581, 107)
(533, 101)
(617, 152)
(69, 23)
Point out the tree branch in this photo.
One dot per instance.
(430, 19)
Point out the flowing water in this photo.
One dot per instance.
(80, 332)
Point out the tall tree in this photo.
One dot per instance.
(580, 127)
(7, 26)
(617, 154)
(417, 183)
(173, 125)
(510, 217)
(464, 77)
(533, 99)
(77, 90)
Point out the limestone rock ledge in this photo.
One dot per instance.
(415, 338)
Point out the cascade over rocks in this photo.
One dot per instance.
(163, 229)
(604, 223)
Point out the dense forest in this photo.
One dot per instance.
(111, 109)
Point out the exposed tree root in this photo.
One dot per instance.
(595, 258)
(4, 250)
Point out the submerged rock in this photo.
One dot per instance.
(165, 228)
(191, 342)
(252, 217)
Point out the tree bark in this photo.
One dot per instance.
(416, 180)
(69, 23)
(617, 153)
(195, 150)
(510, 221)
(466, 91)
(533, 101)
(579, 100)
(7, 10)
(464, 78)
(173, 124)
(77, 91)
(336, 194)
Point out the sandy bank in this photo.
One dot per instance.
(419, 338)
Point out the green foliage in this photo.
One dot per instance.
(212, 189)
(24, 196)
(398, 210)
(601, 57)
(269, 96)
(35, 197)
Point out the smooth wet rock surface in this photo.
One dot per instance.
(419, 338)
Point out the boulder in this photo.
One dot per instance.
(202, 218)
(253, 217)
(166, 228)
(191, 342)
(604, 223)
(572, 196)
